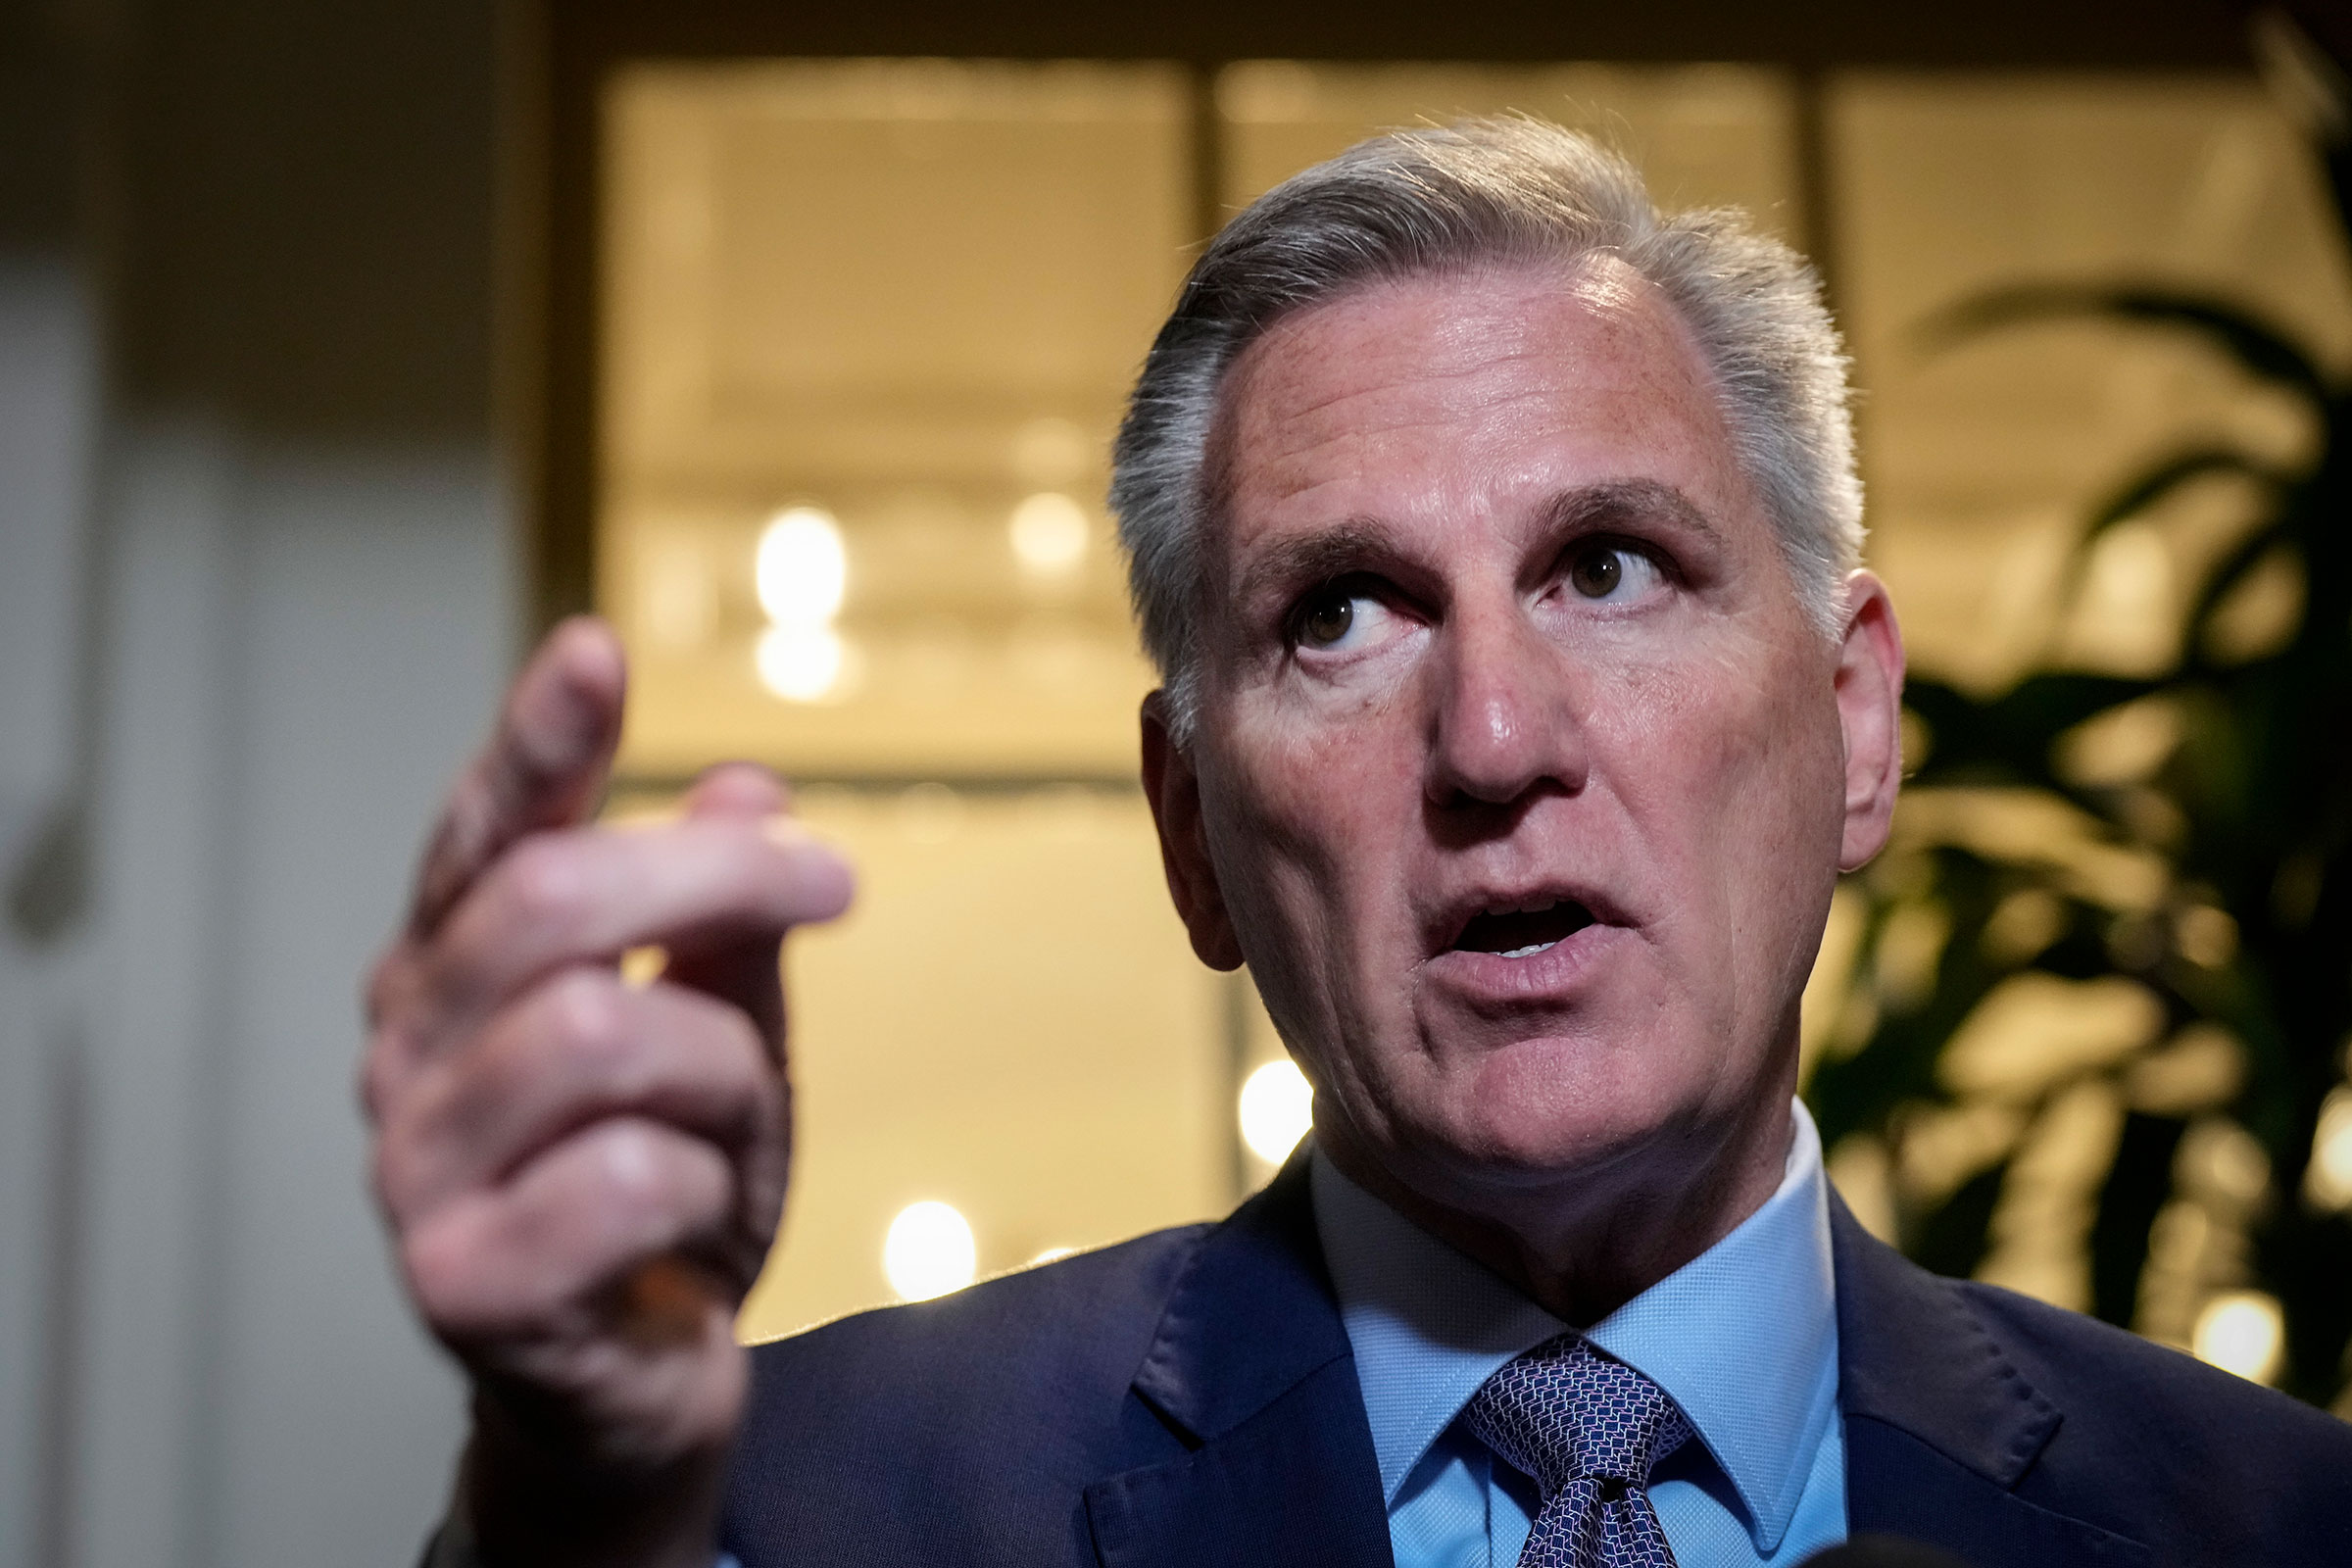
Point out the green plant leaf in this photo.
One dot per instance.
(2184, 468)
(2007, 740)
(2260, 349)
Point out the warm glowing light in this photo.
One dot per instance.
(1278, 1107)
(1049, 534)
(802, 569)
(929, 1252)
(1053, 1254)
(801, 664)
(1050, 452)
(2328, 1178)
(2132, 567)
(2242, 1332)
(681, 602)
(2126, 611)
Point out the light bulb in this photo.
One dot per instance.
(1048, 536)
(1278, 1107)
(802, 569)
(929, 1252)
(2242, 1332)
(800, 664)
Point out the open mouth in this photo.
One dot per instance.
(1523, 933)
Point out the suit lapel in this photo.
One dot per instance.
(1251, 1368)
(1940, 1428)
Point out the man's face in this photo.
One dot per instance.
(1522, 781)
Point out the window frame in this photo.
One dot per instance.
(559, 53)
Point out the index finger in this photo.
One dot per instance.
(543, 768)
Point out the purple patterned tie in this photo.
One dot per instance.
(1588, 1428)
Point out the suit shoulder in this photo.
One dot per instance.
(2070, 1352)
(958, 1428)
(2130, 1404)
(1031, 1303)
(1058, 1343)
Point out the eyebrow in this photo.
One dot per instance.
(1356, 543)
(1318, 557)
(1629, 500)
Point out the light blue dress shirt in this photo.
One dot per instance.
(1744, 1338)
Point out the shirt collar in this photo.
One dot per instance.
(1743, 1336)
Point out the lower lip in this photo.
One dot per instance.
(1553, 975)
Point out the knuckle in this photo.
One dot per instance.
(395, 1001)
(400, 1173)
(541, 879)
(585, 1011)
(440, 1271)
(731, 1069)
(385, 1177)
(373, 1082)
(386, 986)
(585, 1033)
(467, 1294)
(635, 1166)
(738, 1050)
(765, 1100)
(654, 1171)
(386, 1072)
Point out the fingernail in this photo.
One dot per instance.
(791, 833)
(787, 830)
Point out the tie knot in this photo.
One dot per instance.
(1565, 1412)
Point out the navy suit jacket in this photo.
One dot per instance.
(1190, 1399)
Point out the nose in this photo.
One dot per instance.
(1505, 718)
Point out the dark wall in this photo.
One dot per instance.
(301, 201)
(2138, 33)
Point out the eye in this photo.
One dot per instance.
(1326, 617)
(1611, 571)
(1339, 617)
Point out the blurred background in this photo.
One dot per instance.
(344, 348)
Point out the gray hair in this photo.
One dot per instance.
(1510, 191)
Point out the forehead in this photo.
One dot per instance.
(1462, 387)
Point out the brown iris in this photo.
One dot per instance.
(1327, 618)
(1597, 573)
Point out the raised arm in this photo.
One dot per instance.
(582, 1174)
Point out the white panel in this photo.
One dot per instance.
(155, 1003)
(370, 648)
(302, 649)
(47, 406)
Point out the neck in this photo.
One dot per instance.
(1583, 1242)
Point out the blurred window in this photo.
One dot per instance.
(1703, 135)
(905, 299)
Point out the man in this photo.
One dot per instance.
(1498, 541)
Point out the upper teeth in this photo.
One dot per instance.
(1538, 906)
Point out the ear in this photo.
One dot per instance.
(1174, 790)
(1870, 715)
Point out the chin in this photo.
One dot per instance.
(1544, 1109)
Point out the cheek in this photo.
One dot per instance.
(1737, 793)
(1310, 834)
(1327, 796)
